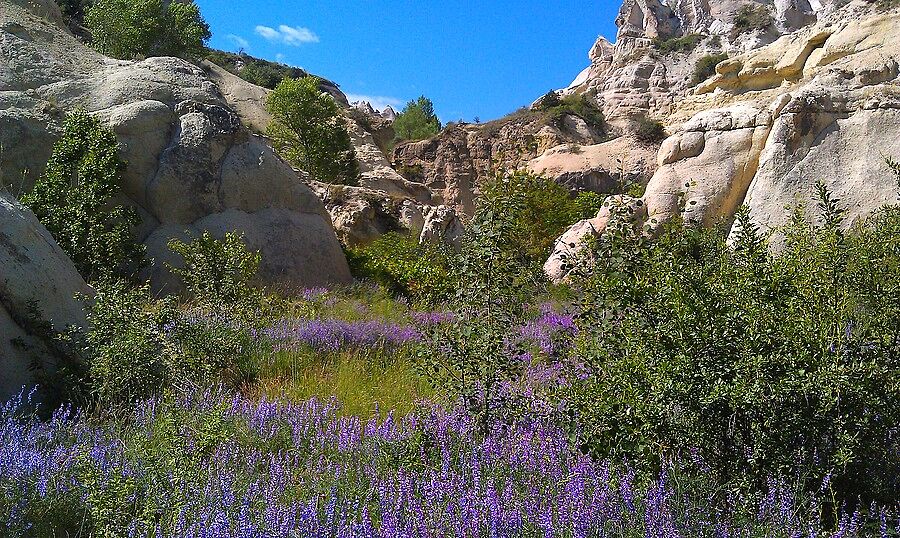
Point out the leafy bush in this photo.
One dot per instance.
(677, 44)
(400, 263)
(131, 28)
(217, 271)
(580, 106)
(309, 131)
(586, 205)
(761, 365)
(752, 17)
(73, 199)
(124, 346)
(706, 66)
(472, 358)
(74, 10)
(649, 131)
(417, 121)
(549, 100)
(543, 210)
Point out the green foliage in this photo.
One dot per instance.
(764, 365)
(254, 70)
(135, 347)
(417, 121)
(124, 346)
(685, 43)
(218, 271)
(401, 264)
(706, 66)
(541, 213)
(586, 205)
(894, 167)
(74, 10)
(549, 100)
(309, 131)
(73, 199)
(472, 358)
(752, 17)
(649, 131)
(580, 106)
(131, 28)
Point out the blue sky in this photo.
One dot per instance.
(473, 59)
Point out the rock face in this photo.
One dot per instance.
(457, 161)
(819, 104)
(38, 284)
(639, 76)
(193, 165)
(600, 168)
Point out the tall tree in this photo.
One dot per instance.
(128, 28)
(309, 130)
(417, 121)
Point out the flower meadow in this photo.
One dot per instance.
(217, 465)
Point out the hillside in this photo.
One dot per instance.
(663, 301)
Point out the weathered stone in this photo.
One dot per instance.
(38, 284)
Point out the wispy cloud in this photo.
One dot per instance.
(238, 40)
(378, 102)
(288, 35)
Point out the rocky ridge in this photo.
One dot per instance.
(817, 104)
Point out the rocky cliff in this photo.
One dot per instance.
(819, 103)
(193, 165)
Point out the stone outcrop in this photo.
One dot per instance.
(38, 289)
(600, 168)
(637, 76)
(819, 105)
(193, 165)
(455, 163)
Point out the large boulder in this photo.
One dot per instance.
(38, 289)
(193, 164)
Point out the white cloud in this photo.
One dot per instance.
(238, 40)
(288, 35)
(378, 102)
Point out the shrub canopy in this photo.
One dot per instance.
(309, 131)
(417, 121)
(132, 28)
(73, 200)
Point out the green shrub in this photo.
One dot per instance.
(309, 131)
(402, 265)
(649, 131)
(752, 17)
(74, 10)
(549, 100)
(762, 365)
(706, 66)
(554, 108)
(73, 199)
(417, 121)
(542, 212)
(124, 346)
(473, 359)
(254, 70)
(132, 28)
(218, 272)
(586, 205)
(677, 44)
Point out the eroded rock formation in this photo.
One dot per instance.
(193, 165)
